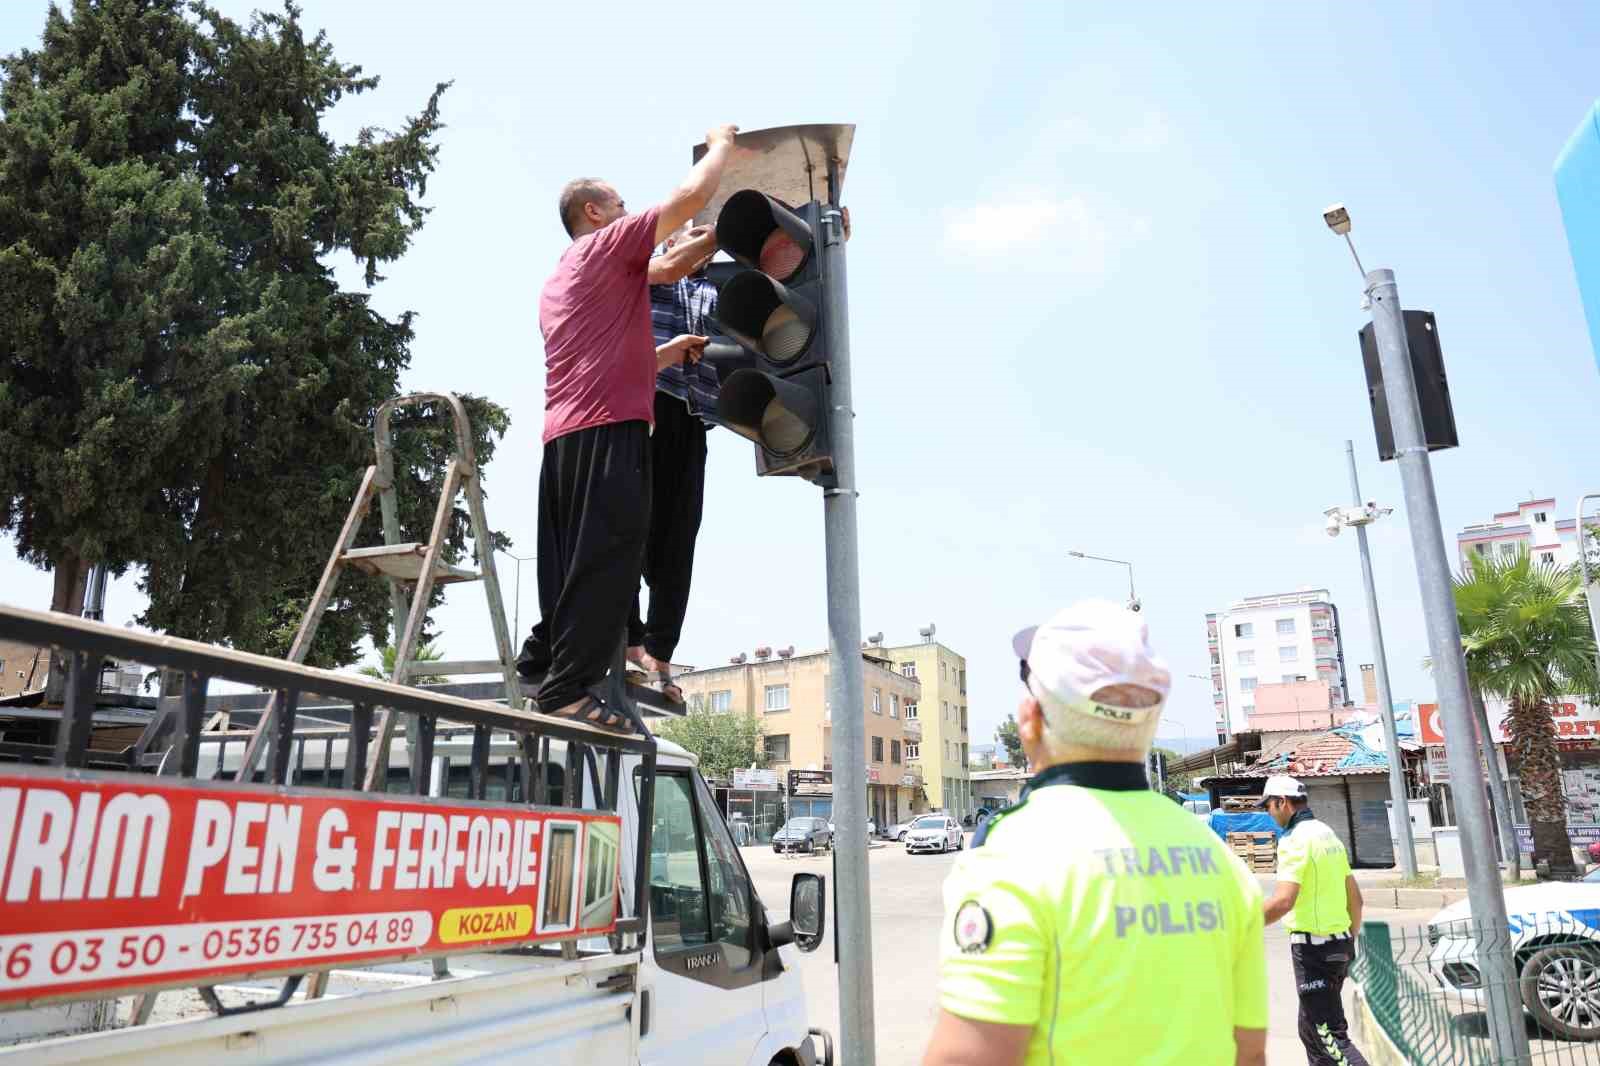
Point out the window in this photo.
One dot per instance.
(877, 749)
(1286, 627)
(894, 705)
(1291, 678)
(722, 702)
(963, 682)
(1541, 517)
(963, 719)
(777, 698)
(941, 671)
(1244, 629)
(963, 755)
(913, 751)
(1216, 660)
(1247, 684)
(777, 747)
(1288, 653)
(894, 751)
(1544, 557)
(1249, 708)
(688, 910)
(1508, 551)
(1247, 658)
(944, 710)
(911, 708)
(600, 877)
(908, 669)
(877, 701)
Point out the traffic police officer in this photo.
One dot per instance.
(1323, 903)
(1097, 921)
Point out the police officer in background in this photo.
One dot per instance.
(1323, 903)
(1097, 921)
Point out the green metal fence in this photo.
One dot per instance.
(1425, 990)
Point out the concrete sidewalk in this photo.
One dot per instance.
(1376, 891)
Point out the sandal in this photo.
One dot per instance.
(592, 712)
(662, 681)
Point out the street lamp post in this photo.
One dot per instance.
(1508, 1033)
(1589, 591)
(1360, 516)
(516, 625)
(1133, 600)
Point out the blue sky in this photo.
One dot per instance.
(1093, 302)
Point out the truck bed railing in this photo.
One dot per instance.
(590, 752)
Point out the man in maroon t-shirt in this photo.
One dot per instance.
(600, 378)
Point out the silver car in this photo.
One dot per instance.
(934, 832)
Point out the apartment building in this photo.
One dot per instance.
(937, 724)
(1531, 525)
(23, 667)
(1279, 639)
(790, 694)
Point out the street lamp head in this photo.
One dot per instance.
(1337, 218)
(1335, 521)
(1075, 555)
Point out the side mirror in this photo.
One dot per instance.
(808, 907)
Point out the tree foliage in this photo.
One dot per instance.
(425, 652)
(1007, 735)
(725, 741)
(184, 387)
(1525, 633)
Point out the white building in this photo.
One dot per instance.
(1532, 525)
(1266, 640)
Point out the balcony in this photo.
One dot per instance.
(913, 728)
(911, 775)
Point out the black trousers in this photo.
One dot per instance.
(1319, 973)
(678, 489)
(594, 514)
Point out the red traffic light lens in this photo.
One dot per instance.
(763, 234)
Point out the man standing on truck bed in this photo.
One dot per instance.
(1096, 920)
(600, 372)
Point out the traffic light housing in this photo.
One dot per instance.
(776, 307)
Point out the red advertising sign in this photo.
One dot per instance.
(117, 881)
(1576, 721)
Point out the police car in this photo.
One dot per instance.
(934, 832)
(1555, 943)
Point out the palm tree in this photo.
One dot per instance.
(1525, 631)
(425, 652)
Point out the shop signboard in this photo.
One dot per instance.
(1577, 722)
(764, 780)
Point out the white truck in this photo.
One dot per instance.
(503, 925)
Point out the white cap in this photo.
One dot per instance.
(1283, 785)
(1085, 649)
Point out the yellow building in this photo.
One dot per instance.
(790, 693)
(937, 725)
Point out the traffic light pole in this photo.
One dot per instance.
(1391, 735)
(857, 1035)
(1507, 1032)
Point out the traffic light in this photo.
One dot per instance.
(777, 308)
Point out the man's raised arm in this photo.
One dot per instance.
(696, 190)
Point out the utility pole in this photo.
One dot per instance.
(1507, 1028)
(857, 1033)
(1391, 735)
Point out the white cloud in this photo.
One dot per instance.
(1064, 231)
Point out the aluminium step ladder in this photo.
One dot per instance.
(417, 567)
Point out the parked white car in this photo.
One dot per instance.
(934, 832)
(1554, 931)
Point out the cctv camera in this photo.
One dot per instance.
(1134, 605)
(1337, 218)
(1334, 525)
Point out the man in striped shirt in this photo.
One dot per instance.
(681, 295)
